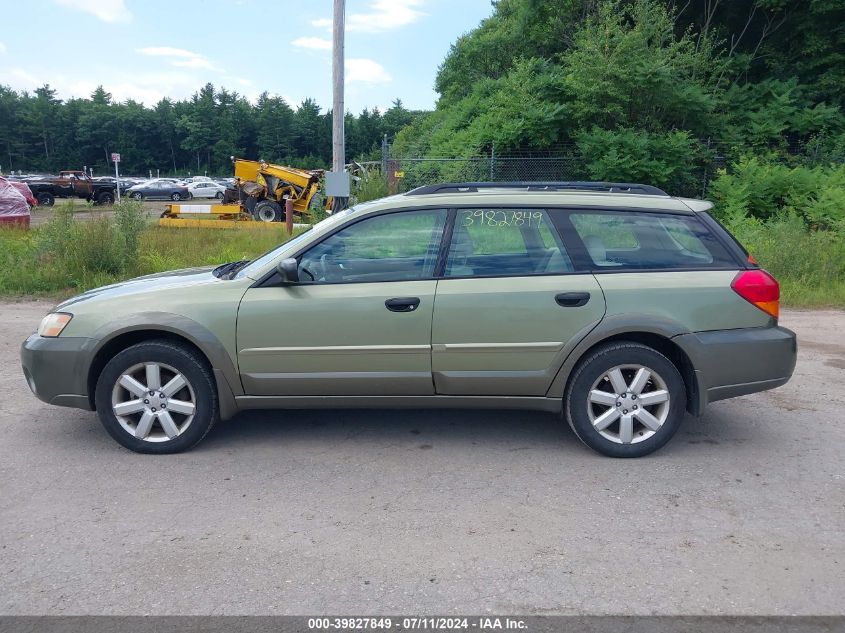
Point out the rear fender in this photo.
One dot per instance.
(610, 327)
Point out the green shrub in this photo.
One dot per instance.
(370, 187)
(763, 190)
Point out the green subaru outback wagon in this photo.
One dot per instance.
(615, 304)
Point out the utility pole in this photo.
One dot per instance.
(337, 182)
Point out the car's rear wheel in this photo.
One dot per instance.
(138, 195)
(157, 397)
(105, 198)
(625, 399)
(46, 199)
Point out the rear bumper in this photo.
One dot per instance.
(730, 363)
(57, 369)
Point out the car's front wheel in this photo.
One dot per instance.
(625, 399)
(157, 397)
(176, 196)
(137, 195)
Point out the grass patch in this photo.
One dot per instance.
(809, 264)
(67, 256)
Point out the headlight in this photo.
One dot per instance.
(53, 324)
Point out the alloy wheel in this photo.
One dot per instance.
(628, 404)
(153, 402)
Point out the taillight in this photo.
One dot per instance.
(760, 288)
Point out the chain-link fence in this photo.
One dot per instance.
(405, 170)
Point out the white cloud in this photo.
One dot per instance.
(366, 71)
(194, 62)
(313, 43)
(28, 80)
(166, 51)
(3, 48)
(106, 10)
(384, 15)
(179, 57)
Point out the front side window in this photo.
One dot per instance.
(656, 241)
(505, 242)
(394, 247)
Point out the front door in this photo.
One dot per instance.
(507, 305)
(359, 323)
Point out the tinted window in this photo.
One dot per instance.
(495, 242)
(617, 240)
(394, 247)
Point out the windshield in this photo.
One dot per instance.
(264, 260)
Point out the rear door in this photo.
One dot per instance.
(507, 304)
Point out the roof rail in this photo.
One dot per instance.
(473, 187)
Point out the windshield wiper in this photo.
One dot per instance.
(226, 271)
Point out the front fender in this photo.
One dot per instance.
(225, 369)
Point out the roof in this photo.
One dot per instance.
(622, 196)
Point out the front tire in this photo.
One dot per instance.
(625, 399)
(157, 397)
(137, 195)
(176, 197)
(46, 199)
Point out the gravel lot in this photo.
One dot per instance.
(430, 512)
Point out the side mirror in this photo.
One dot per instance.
(288, 270)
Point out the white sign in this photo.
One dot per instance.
(115, 157)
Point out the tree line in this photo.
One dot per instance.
(648, 90)
(40, 132)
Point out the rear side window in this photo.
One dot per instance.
(505, 242)
(649, 241)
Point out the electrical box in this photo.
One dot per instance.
(337, 184)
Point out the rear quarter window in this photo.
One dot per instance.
(625, 240)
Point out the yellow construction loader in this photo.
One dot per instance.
(259, 193)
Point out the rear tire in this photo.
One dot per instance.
(268, 211)
(137, 195)
(105, 198)
(135, 384)
(46, 199)
(625, 399)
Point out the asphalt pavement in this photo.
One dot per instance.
(430, 512)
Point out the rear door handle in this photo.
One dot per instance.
(572, 299)
(402, 304)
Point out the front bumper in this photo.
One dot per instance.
(57, 369)
(730, 363)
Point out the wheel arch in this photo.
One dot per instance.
(178, 330)
(654, 332)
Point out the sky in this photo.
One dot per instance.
(149, 49)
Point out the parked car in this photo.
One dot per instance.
(125, 183)
(70, 184)
(14, 208)
(615, 304)
(206, 189)
(25, 191)
(160, 189)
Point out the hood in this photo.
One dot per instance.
(173, 279)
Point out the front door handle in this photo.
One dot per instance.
(402, 304)
(572, 299)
